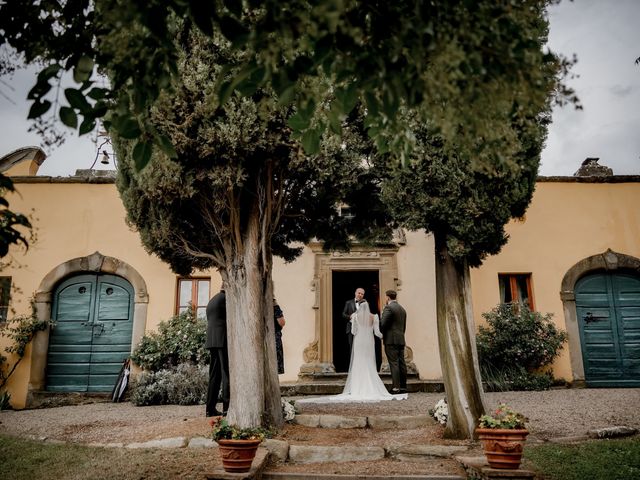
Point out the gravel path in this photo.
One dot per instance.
(555, 413)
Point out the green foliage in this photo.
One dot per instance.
(442, 191)
(178, 340)
(515, 378)
(185, 384)
(238, 163)
(9, 234)
(454, 63)
(595, 460)
(222, 430)
(503, 417)
(514, 347)
(20, 331)
(517, 336)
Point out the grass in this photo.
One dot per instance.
(22, 459)
(594, 460)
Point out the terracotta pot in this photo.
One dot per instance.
(503, 447)
(237, 455)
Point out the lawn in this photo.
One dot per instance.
(594, 460)
(22, 459)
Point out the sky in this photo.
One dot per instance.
(604, 35)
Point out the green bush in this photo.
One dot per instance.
(178, 340)
(515, 378)
(185, 384)
(515, 345)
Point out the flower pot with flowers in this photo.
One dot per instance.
(503, 435)
(237, 445)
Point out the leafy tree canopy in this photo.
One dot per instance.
(234, 161)
(458, 61)
(464, 208)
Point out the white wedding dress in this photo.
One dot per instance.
(363, 382)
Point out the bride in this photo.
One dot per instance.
(363, 383)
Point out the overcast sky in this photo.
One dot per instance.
(604, 34)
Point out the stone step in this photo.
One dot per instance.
(328, 385)
(329, 476)
(371, 421)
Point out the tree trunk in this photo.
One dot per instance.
(254, 386)
(456, 341)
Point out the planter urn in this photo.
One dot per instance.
(237, 455)
(503, 447)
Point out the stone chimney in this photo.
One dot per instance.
(591, 168)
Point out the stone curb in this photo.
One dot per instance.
(424, 452)
(322, 476)
(321, 454)
(176, 442)
(612, 432)
(373, 421)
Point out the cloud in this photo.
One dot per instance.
(621, 91)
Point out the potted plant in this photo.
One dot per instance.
(503, 435)
(237, 445)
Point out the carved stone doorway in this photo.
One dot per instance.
(337, 266)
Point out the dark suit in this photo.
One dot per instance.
(393, 325)
(217, 345)
(349, 308)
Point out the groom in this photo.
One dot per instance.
(350, 307)
(393, 324)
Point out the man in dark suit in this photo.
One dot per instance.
(217, 345)
(350, 307)
(393, 325)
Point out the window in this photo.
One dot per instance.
(516, 288)
(194, 291)
(5, 295)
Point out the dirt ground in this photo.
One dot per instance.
(552, 414)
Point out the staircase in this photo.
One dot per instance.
(333, 384)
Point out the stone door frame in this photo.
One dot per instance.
(94, 263)
(318, 355)
(607, 261)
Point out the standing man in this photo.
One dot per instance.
(350, 307)
(217, 345)
(393, 324)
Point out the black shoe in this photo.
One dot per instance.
(403, 390)
(395, 391)
(215, 413)
(224, 414)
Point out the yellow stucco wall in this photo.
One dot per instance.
(75, 220)
(565, 223)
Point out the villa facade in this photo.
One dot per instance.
(576, 254)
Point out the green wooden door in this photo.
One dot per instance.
(608, 309)
(93, 317)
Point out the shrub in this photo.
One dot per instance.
(185, 384)
(514, 378)
(20, 331)
(178, 340)
(515, 345)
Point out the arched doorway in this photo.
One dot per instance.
(603, 285)
(94, 263)
(608, 311)
(91, 334)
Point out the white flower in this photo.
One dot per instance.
(441, 411)
(288, 410)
